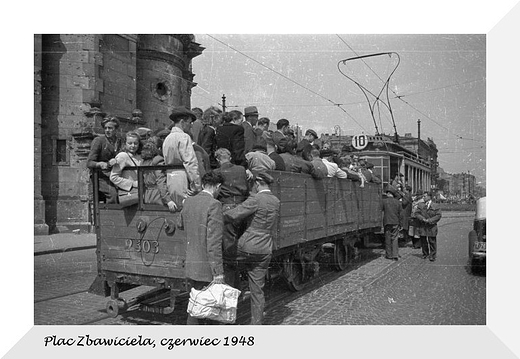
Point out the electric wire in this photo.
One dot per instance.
(289, 79)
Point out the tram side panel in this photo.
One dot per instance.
(149, 251)
(316, 209)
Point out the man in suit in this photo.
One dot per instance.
(201, 218)
(280, 135)
(392, 220)
(231, 136)
(427, 215)
(251, 116)
(255, 246)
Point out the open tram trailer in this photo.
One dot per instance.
(141, 244)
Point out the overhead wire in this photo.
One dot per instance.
(399, 97)
(289, 79)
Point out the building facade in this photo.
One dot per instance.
(79, 79)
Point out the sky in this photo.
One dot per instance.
(440, 80)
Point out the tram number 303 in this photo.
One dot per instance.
(142, 245)
(359, 142)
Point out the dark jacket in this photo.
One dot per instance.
(201, 218)
(102, 151)
(208, 142)
(427, 218)
(156, 191)
(262, 210)
(280, 164)
(249, 137)
(406, 202)
(304, 149)
(392, 211)
(234, 189)
(231, 136)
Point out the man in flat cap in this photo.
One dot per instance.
(178, 151)
(305, 146)
(255, 246)
(251, 116)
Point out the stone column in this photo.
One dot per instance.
(40, 227)
(164, 77)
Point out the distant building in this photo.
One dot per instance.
(80, 78)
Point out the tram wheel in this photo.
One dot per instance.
(295, 277)
(114, 306)
(340, 256)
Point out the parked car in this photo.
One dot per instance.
(477, 237)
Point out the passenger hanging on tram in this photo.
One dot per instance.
(251, 118)
(178, 150)
(346, 165)
(103, 151)
(280, 135)
(126, 179)
(233, 191)
(255, 246)
(261, 130)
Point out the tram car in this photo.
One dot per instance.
(390, 157)
(142, 245)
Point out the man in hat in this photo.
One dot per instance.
(255, 246)
(178, 151)
(428, 214)
(305, 146)
(251, 116)
(392, 220)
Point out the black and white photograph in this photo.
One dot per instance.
(231, 189)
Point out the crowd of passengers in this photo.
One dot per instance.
(237, 145)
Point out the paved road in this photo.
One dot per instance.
(376, 291)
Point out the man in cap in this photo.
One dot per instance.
(305, 146)
(428, 214)
(258, 160)
(255, 246)
(251, 116)
(413, 224)
(178, 151)
(392, 220)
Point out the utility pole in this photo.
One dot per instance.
(223, 103)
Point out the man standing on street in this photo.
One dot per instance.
(201, 218)
(392, 220)
(427, 215)
(255, 246)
